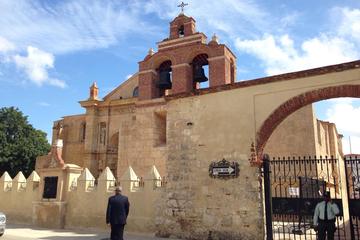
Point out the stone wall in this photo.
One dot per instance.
(86, 202)
(295, 136)
(195, 205)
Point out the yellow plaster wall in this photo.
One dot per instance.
(85, 207)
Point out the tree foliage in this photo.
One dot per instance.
(20, 142)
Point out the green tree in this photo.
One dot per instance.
(20, 142)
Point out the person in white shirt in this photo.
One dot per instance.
(325, 216)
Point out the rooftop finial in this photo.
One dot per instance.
(182, 5)
(151, 52)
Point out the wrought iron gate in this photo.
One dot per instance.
(352, 167)
(293, 187)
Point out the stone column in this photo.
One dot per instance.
(219, 71)
(147, 85)
(182, 80)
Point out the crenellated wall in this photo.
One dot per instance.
(86, 199)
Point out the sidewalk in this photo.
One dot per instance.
(21, 232)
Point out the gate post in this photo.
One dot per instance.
(345, 197)
(268, 198)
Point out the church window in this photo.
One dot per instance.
(82, 131)
(136, 92)
(102, 135)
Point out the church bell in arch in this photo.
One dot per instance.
(164, 80)
(199, 75)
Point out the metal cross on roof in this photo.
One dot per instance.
(182, 5)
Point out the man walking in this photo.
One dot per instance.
(325, 216)
(116, 214)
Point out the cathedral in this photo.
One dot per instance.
(129, 126)
(163, 118)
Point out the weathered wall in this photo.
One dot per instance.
(295, 136)
(223, 124)
(142, 142)
(201, 130)
(85, 203)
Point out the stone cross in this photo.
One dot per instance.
(182, 5)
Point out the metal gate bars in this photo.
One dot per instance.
(352, 168)
(293, 187)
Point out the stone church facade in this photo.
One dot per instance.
(129, 126)
(161, 118)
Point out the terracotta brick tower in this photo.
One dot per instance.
(179, 62)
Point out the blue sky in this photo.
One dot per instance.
(51, 51)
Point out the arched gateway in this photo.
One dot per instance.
(297, 102)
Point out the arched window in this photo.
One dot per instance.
(165, 78)
(136, 92)
(82, 131)
(200, 71)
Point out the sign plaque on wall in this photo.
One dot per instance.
(50, 187)
(224, 169)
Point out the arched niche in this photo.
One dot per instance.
(200, 70)
(114, 143)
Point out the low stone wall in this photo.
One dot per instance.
(86, 202)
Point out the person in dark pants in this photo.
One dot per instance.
(116, 214)
(324, 217)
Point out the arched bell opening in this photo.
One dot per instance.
(181, 31)
(164, 83)
(200, 66)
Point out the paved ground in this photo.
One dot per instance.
(17, 232)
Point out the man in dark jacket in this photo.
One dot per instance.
(116, 214)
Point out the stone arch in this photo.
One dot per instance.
(297, 102)
(203, 49)
(158, 58)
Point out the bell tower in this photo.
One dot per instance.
(178, 65)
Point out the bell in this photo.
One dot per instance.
(199, 75)
(164, 80)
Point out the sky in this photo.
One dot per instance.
(52, 51)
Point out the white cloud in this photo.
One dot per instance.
(345, 115)
(6, 45)
(349, 22)
(279, 55)
(36, 65)
(66, 26)
(355, 145)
